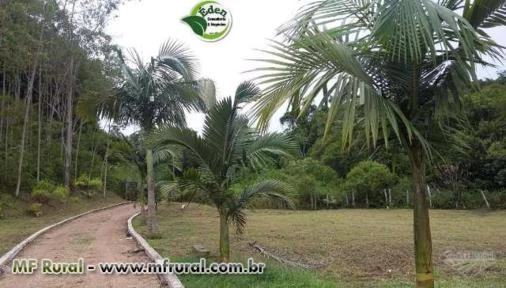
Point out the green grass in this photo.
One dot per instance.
(357, 248)
(19, 225)
(274, 276)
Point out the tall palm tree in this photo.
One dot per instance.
(226, 146)
(396, 68)
(156, 93)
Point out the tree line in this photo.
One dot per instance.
(56, 68)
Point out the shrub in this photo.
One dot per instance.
(60, 194)
(42, 196)
(35, 209)
(368, 179)
(6, 202)
(95, 184)
(88, 186)
(74, 200)
(82, 182)
(315, 185)
(443, 199)
(42, 191)
(497, 199)
(399, 193)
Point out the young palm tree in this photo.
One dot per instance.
(226, 146)
(156, 93)
(393, 67)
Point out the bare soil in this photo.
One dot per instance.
(98, 237)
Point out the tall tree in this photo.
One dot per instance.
(49, 43)
(398, 66)
(155, 93)
(34, 66)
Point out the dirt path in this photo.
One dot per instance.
(98, 237)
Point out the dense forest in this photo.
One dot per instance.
(59, 73)
(467, 172)
(58, 68)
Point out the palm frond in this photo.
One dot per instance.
(356, 15)
(409, 61)
(174, 56)
(306, 65)
(198, 148)
(245, 92)
(272, 189)
(485, 13)
(156, 92)
(165, 153)
(264, 149)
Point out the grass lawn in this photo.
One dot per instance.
(19, 225)
(351, 247)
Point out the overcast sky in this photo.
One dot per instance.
(145, 24)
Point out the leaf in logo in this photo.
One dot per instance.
(197, 23)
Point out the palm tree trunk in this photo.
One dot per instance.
(152, 222)
(423, 241)
(224, 236)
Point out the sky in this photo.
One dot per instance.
(145, 25)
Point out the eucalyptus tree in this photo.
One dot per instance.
(155, 93)
(396, 68)
(226, 146)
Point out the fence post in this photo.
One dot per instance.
(485, 198)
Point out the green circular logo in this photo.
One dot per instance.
(210, 20)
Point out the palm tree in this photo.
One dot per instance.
(396, 68)
(156, 93)
(132, 151)
(227, 146)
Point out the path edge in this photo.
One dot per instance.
(11, 254)
(171, 280)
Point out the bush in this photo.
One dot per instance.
(368, 179)
(74, 200)
(442, 199)
(82, 182)
(497, 199)
(42, 192)
(60, 194)
(42, 196)
(35, 209)
(399, 193)
(88, 186)
(95, 184)
(315, 185)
